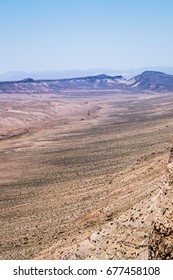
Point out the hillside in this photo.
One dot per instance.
(152, 81)
(147, 81)
(161, 233)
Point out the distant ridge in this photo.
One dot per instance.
(27, 80)
(152, 80)
(147, 81)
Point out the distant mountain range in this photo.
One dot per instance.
(74, 73)
(147, 81)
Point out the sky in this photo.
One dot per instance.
(41, 35)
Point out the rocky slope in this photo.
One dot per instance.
(124, 235)
(148, 80)
(144, 231)
(161, 236)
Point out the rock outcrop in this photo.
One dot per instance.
(161, 237)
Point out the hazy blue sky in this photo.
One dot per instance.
(38, 35)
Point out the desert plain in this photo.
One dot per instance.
(80, 173)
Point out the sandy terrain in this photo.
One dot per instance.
(80, 177)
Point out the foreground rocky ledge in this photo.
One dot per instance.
(161, 237)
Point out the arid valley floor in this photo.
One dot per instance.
(80, 175)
